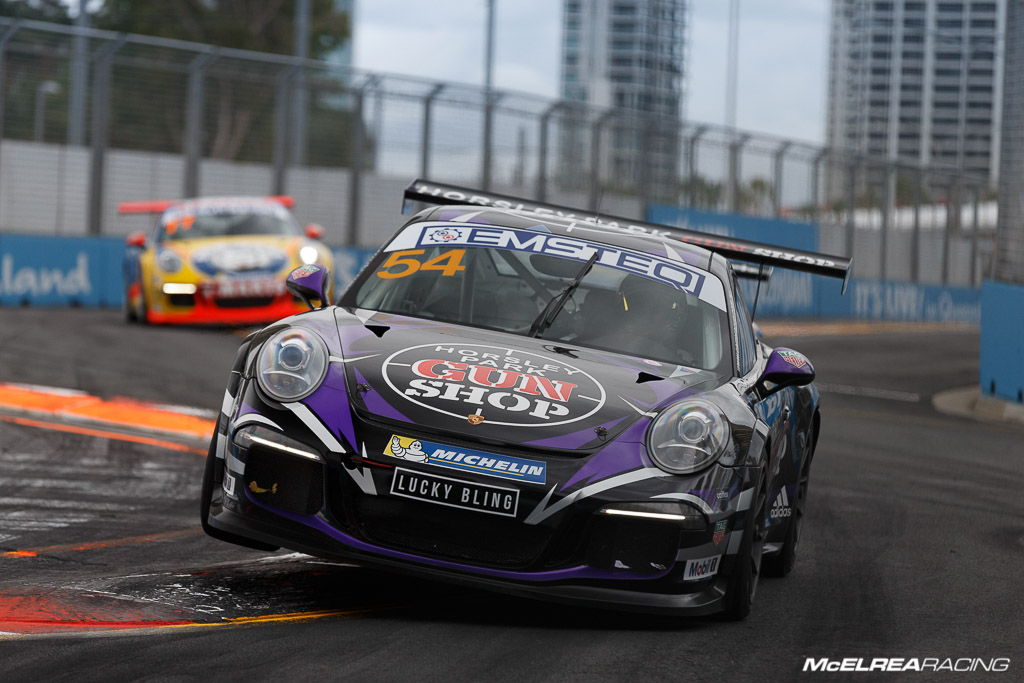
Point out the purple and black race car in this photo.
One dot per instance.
(516, 398)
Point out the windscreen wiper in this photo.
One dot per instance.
(547, 316)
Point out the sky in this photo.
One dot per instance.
(783, 59)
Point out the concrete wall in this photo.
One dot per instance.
(44, 190)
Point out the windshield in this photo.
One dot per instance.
(225, 221)
(628, 302)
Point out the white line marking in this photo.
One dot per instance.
(869, 392)
(49, 503)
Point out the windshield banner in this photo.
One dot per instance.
(675, 274)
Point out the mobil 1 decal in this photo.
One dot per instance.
(501, 385)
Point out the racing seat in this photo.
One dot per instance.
(647, 326)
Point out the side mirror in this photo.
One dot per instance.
(785, 368)
(136, 239)
(314, 231)
(311, 283)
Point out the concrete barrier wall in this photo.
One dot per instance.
(1001, 367)
(88, 271)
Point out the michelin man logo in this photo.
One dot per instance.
(443, 235)
(412, 450)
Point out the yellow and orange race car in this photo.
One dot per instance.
(217, 260)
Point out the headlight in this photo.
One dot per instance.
(688, 436)
(291, 364)
(169, 261)
(308, 255)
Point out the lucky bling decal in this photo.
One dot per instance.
(504, 386)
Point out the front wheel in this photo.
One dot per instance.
(742, 587)
(131, 316)
(781, 564)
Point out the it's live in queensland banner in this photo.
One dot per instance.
(794, 294)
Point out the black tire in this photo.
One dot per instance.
(143, 313)
(739, 595)
(782, 563)
(131, 316)
(212, 478)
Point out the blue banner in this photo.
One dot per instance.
(60, 271)
(44, 270)
(754, 228)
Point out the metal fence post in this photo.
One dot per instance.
(79, 76)
(194, 105)
(887, 201)
(490, 98)
(4, 39)
(915, 236)
(947, 234)
(735, 189)
(104, 59)
(356, 166)
(851, 205)
(646, 124)
(542, 150)
(428, 112)
(282, 139)
(594, 203)
(816, 185)
(975, 202)
(779, 160)
(691, 159)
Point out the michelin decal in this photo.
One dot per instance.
(467, 459)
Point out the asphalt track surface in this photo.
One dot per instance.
(912, 547)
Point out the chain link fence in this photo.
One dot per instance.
(164, 119)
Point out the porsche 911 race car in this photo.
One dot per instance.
(217, 260)
(523, 400)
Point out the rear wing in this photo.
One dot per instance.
(429, 192)
(161, 205)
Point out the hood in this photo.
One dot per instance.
(501, 388)
(238, 255)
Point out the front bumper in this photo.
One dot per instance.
(343, 507)
(198, 309)
(579, 592)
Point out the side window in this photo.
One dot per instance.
(746, 345)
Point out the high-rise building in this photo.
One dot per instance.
(630, 55)
(918, 81)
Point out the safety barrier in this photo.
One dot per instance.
(1002, 341)
(54, 271)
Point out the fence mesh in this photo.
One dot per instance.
(166, 119)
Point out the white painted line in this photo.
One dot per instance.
(869, 392)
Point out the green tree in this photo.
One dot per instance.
(39, 10)
(148, 111)
(701, 193)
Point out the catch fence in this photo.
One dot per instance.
(90, 118)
